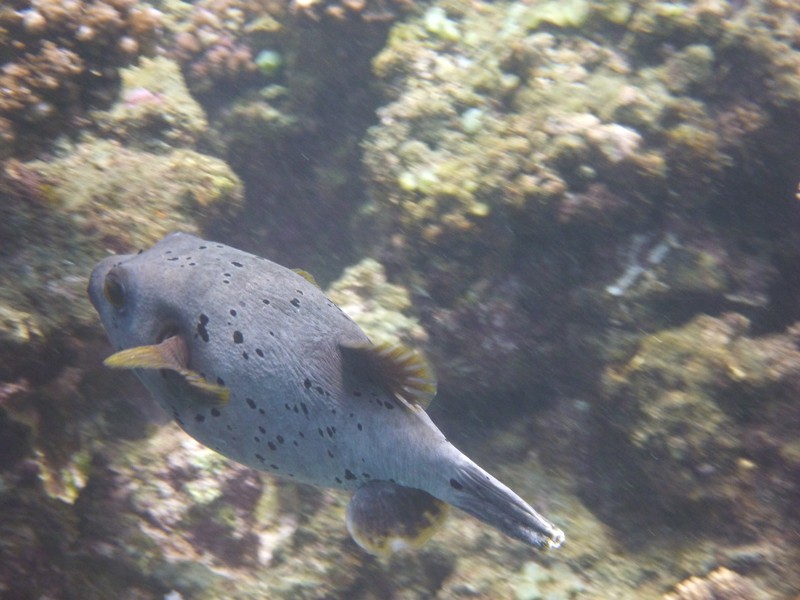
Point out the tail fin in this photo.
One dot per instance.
(484, 497)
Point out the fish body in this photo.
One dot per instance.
(254, 361)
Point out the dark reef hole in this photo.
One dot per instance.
(311, 156)
(783, 308)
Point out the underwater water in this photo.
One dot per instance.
(584, 213)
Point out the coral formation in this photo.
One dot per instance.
(525, 142)
(155, 110)
(695, 404)
(217, 42)
(59, 57)
(383, 310)
(721, 584)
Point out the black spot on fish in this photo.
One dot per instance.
(296, 410)
(272, 446)
(338, 480)
(280, 439)
(220, 381)
(274, 467)
(307, 383)
(203, 247)
(295, 302)
(357, 394)
(225, 281)
(287, 407)
(301, 434)
(261, 429)
(349, 475)
(238, 338)
(319, 390)
(321, 433)
(257, 439)
(330, 431)
(215, 412)
(366, 476)
(251, 403)
(260, 352)
(237, 264)
(260, 458)
(233, 312)
(360, 427)
(388, 405)
(168, 252)
(265, 301)
(262, 411)
(201, 328)
(192, 264)
(173, 258)
(245, 356)
(456, 485)
(219, 246)
(305, 408)
(330, 453)
(229, 427)
(226, 274)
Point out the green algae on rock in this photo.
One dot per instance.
(382, 309)
(155, 108)
(686, 397)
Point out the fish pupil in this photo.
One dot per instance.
(114, 291)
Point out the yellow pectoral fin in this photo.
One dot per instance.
(171, 354)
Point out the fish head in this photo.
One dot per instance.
(126, 291)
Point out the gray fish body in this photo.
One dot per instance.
(298, 407)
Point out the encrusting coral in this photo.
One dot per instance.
(720, 584)
(61, 56)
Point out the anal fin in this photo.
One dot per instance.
(384, 517)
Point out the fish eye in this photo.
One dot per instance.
(114, 291)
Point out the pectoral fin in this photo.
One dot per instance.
(173, 355)
(384, 517)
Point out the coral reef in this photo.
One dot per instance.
(583, 210)
(98, 196)
(217, 42)
(721, 584)
(596, 156)
(342, 10)
(687, 396)
(156, 109)
(381, 309)
(59, 57)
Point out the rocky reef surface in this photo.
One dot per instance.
(585, 212)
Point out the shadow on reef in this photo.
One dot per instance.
(296, 145)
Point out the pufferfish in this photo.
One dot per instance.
(254, 361)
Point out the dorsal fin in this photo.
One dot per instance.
(307, 276)
(403, 370)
